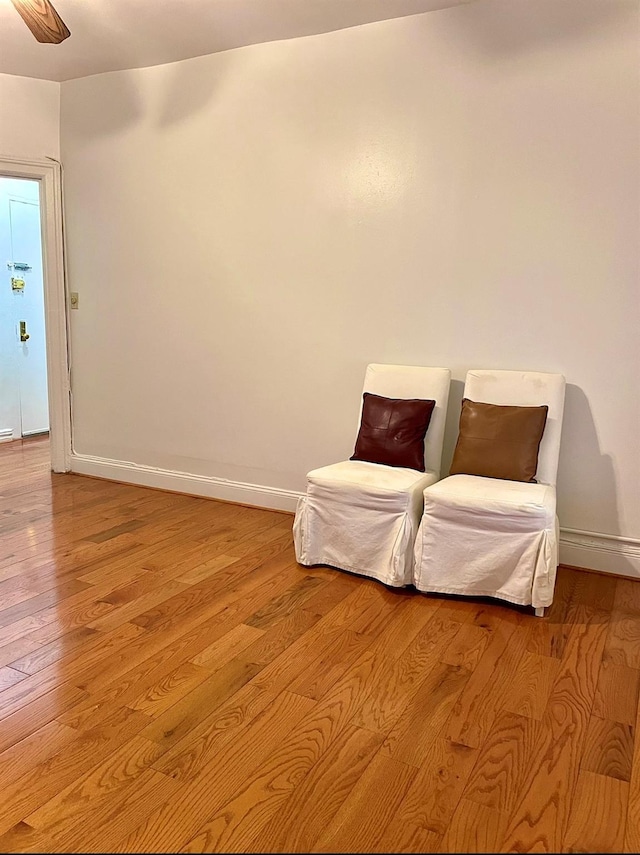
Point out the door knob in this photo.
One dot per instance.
(24, 335)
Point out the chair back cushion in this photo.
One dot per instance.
(415, 382)
(392, 431)
(498, 442)
(526, 389)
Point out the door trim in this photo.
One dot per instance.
(49, 173)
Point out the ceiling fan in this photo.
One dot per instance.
(43, 20)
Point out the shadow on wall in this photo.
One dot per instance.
(201, 88)
(456, 391)
(93, 120)
(580, 452)
(183, 93)
(495, 29)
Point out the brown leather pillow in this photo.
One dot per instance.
(392, 431)
(499, 442)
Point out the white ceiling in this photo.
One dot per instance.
(107, 35)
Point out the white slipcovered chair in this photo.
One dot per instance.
(489, 537)
(363, 517)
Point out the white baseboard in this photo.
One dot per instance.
(184, 482)
(593, 550)
(6, 434)
(605, 552)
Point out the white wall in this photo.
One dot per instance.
(30, 123)
(248, 230)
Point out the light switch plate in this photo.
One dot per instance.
(73, 299)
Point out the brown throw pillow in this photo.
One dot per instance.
(499, 442)
(392, 431)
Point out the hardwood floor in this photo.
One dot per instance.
(171, 680)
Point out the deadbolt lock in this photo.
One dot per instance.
(24, 335)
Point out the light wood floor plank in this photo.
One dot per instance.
(541, 813)
(315, 801)
(222, 775)
(597, 820)
(360, 824)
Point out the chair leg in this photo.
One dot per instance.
(540, 612)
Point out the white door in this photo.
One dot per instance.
(28, 315)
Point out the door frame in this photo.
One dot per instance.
(49, 173)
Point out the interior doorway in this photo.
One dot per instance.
(24, 408)
(35, 392)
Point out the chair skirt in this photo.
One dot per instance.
(487, 537)
(363, 518)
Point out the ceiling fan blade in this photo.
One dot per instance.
(43, 20)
